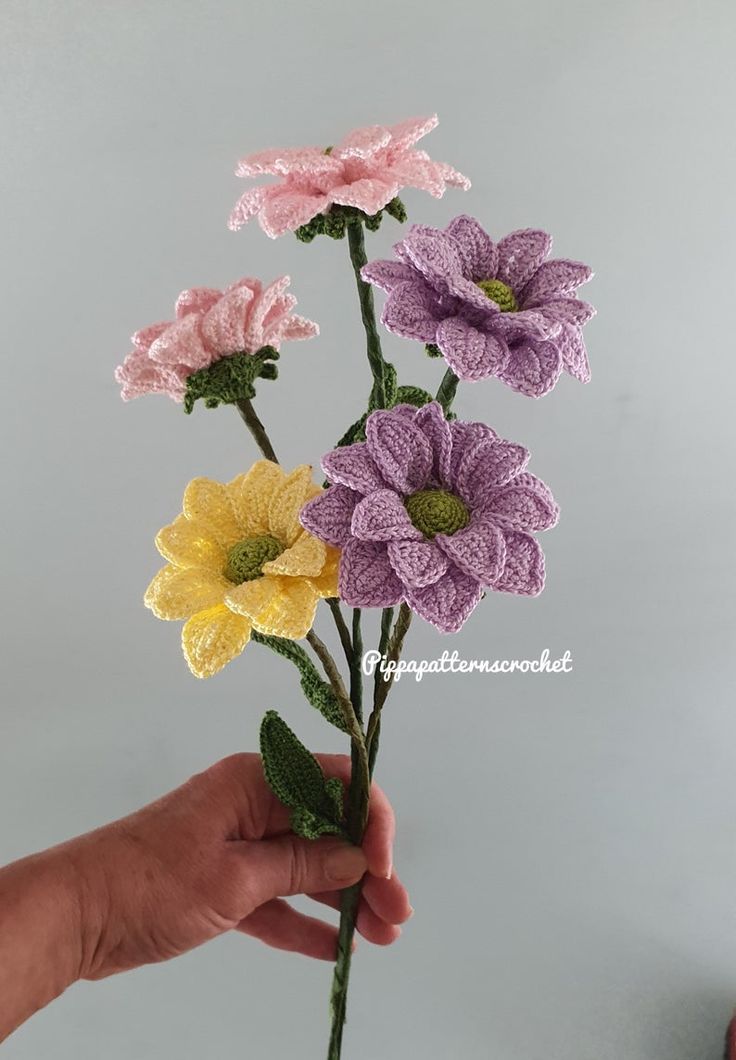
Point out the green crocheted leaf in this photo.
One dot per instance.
(318, 692)
(413, 395)
(230, 379)
(354, 433)
(335, 793)
(310, 825)
(432, 351)
(294, 775)
(396, 209)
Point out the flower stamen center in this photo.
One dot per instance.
(246, 558)
(500, 293)
(436, 512)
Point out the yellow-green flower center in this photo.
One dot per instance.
(436, 512)
(246, 558)
(500, 293)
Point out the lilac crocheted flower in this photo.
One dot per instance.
(431, 513)
(490, 308)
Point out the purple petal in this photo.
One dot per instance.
(571, 345)
(527, 323)
(410, 311)
(523, 572)
(570, 310)
(352, 465)
(478, 550)
(417, 563)
(478, 252)
(524, 504)
(465, 435)
(448, 602)
(366, 577)
(434, 255)
(386, 274)
(399, 449)
(554, 279)
(328, 515)
(487, 466)
(381, 516)
(520, 254)
(431, 421)
(533, 367)
(472, 354)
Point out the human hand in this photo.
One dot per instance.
(217, 854)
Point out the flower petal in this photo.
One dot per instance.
(287, 502)
(188, 543)
(525, 503)
(410, 311)
(485, 467)
(472, 354)
(406, 133)
(381, 516)
(430, 419)
(520, 254)
(478, 252)
(399, 449)
(570, 310)
(448, 602)
(328, 515)
(181, 343)
(176, 593)
(208, 502)
(478, 550)
(246, 207)
(368, 194)
(223, 326)
(554, 279)
(533, 367)
(353, 466)
(465, 436)
(362, 143)
(367, 578)
(387, 274)
(434, 254)
(282, 161)
(305, 557)
(325, 584)
(523, 572)
(285, 209)
(250, 496)
(571, 345)
(212, 638)
(196, 300)
(277, 606)
(417, 563)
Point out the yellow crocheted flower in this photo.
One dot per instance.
(239, 560)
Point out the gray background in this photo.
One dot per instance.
(568, 841)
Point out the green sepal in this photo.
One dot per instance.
(317, 691)
(230, 379)
(334, 222)
(295, 777)
(432, 350)
(396, 209)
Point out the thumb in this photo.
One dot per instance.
(289, 864)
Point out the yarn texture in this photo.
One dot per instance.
(366, 171)
(238, 561)
(489, 308)
(431, 513)
(246, 319)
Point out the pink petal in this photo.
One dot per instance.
(254, 337)
(143, 339)
(523, 572)
(533, 367)
(181, 344)
(520, 254)
(413, 171)
(452, 176)
(366, 577)
(328, 515)
(353, 466)
(368, 194)
(246, 207)
(285, 160)
(472, 354)
(196, 300)
(554, 279)
(478, 550)
(406, 133)
(285, 209)
(381, 516)
(223, 327)
(477, 250)
(448, 602)
(400, 450)
(486, 466)
(362, 143)
(417, 563)
(297, 327)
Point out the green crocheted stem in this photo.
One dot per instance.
(447, 390)
(256, 428)
(349, 902)
(356, 244)
(317, 692)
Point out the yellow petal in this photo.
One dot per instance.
(280, 607)
(212, 638)
(325, 584)
(178, 593)
(286, 503)
(306, 556)
(250, 496)
(208, 502)
(188, 543)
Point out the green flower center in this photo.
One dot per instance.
(436, 512)
(246, 558)
(500, 293)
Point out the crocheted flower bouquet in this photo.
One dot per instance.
(421, 512)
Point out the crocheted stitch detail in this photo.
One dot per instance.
(230, 379)
(245, 559)
(500, 293)
(436, 512)
(334, 222)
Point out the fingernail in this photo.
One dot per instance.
(411, 912)
(345, 863)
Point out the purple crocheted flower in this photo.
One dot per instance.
(490, 308)
(432, 513)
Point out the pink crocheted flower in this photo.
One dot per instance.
(431, 513)
(366, 170)
(489, 308)
(209, 326)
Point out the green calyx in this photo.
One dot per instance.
(500, 293)
(230, 379)
(436, 512)
(245, 559)
(334, 223)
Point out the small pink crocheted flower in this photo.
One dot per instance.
(210, 325)
(366, 170)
